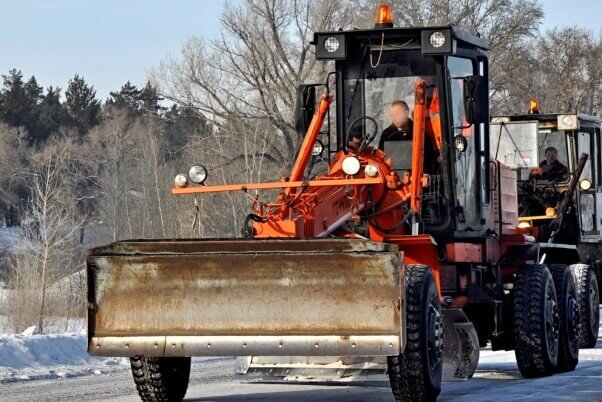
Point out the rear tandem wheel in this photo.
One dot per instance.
(566, 294)
(536, 322)
(588, 298)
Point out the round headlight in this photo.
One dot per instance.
(371, 170)
(585, 184)
(550, 212)
(181, 180)
(461, 143)
(331, 44)
(197, 174)
(351, 165)
(317, 149)
(437, 39)
(567, 121)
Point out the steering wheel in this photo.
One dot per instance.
(366, 139)
(545, 196)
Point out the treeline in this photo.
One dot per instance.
(77, 172)
(31, 118)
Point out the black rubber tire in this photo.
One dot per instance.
(588, 296)
(566, 293)
(161, 379)
(536, 322)
(415, 375)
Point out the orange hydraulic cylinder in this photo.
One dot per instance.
(418, 146)
(435, 121)
(308, 142)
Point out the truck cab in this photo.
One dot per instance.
(374, 68)
(520, 142)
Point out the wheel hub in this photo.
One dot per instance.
(593, 307)
(552, 322)
(435, 337)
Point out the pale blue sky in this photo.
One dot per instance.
(112, 41)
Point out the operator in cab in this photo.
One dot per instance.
(551, 168)
(401, 124)
(396, 139)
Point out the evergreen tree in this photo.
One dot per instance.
(137, 102)
(149, 99)
(126, 99)
(182, 123)
(52, 114)
(19, 102)
(82, 105)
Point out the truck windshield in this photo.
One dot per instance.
(372, 86)
(524, 147)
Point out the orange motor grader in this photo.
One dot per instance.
(389, 261)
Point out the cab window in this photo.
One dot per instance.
(467, 166)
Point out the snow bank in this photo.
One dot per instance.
(28, 357)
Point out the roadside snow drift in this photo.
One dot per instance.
(29, 357)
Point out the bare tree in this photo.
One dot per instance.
(48, 249)
(562, 69)
(239, 153)
(251, 71)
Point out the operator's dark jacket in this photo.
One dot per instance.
(394, 133)
(553, 171)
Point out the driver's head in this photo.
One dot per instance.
(551, 154)
(399, 113)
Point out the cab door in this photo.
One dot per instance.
(590, 186)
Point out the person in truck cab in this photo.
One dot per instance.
(401, 124)
(551, 168)
(400, 132)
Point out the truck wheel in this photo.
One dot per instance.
(536, 322)
(566, 293)
(588, 298)
(161, 379)
(415, 374)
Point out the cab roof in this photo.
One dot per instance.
(458, 34)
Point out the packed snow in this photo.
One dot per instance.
(31, 356)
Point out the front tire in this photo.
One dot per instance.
(536, 322)
(588, 298)
(566, 293)
(415, 374)
(161, 379)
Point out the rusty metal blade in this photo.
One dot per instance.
(312, 368)
(228, 289)
(460, 346)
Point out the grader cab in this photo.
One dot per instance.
(389, 262)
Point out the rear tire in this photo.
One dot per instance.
(161, 379)
(566, 293)
(536, 322)
(415, 375)
(588, 298)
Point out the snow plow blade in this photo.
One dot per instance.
(460, 359)
(245, 297)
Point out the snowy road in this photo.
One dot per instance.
(497, 379)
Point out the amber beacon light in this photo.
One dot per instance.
(384, 17)
(533, 106)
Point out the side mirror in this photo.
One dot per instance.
(476, 99)
(305, 107)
